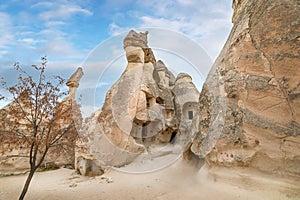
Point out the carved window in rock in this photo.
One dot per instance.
(160, 101)
(190, 114)
(149, 101)
(144, 131)
(169, 113)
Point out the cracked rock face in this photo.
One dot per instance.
(140, 110)
(250, 102)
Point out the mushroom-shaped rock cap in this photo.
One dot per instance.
(182, 76)
(136, 39)
(160, 66)
(75, 78)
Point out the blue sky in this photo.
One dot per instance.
(68, 31)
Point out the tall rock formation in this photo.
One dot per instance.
(142, 109)
(250, 102)
(73, 82)
(187, 104)
(14, 157)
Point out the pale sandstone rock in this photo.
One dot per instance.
(88, 167)
(73, 82)
(187, 104)
(249, 105)
(139, 109)
(136, 39)
(15, 159)
(134, 54)
(111, 141)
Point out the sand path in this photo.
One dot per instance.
(177, 182)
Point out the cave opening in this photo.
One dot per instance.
(160, 101)
(190, 114)
(173, 137)
(144, 132)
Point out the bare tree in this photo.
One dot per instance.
(38, 120)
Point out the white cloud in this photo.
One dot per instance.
(6, 30)
(51, 33)
(114, 29)
(44, 4)
(150, 21)
(2, 53)
(159, 8)
(63, 11)
(55, 43)
(206, 22)
(109, 5)
(64, 66)
(25, 33)
(187, 2)
(59, 47)
(29, 41)
(54, 23)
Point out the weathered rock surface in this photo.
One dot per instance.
(88, 167)
(250, 102)
(139, 109)
(73, 82)
(187, 104)
(14, 157)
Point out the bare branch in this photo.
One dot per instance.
(36, 119)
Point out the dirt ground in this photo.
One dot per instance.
(180, 181)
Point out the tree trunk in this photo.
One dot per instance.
(26, 186)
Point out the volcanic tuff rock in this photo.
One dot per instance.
(250, 102)
(14, 157)
(187, 104)
(73, 82)
(143, 108)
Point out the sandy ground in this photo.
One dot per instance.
(179, 181)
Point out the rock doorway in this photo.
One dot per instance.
(144, 132)
(173, 137)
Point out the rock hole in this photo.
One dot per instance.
(173, 137)
(144, 132)
(160, 101)
(191, 114)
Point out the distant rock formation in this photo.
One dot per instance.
(73, 82)
(14, 159)
(146, 106)
(250, 102)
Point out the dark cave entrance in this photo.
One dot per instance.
(173, 137)
(144, 132)
(190, 114)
